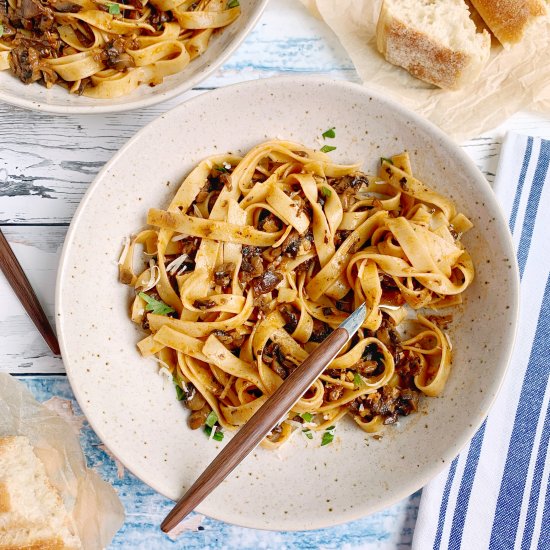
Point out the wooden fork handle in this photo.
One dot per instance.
(252, 433)
(23, 290)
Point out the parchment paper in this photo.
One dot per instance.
(513, 79)
(94, 505)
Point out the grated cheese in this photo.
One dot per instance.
(154, 277)
(175, 264)
(448, 341)
(164, 372)
(126, 243)
(179, 237)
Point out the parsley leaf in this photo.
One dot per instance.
(211, 419)
(218, 435)
(179, 392)
(308, 417)
(326, 192)
(233, 4)
(114, 9)
(382, 159)
(328, 436)
(156, 306)
(308, 434)
(1, 30)
(358, 380)
(327, 148)
(330, 133)
(176, 378)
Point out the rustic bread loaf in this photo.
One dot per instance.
(435, 41)
(32, 515)
(508, 19)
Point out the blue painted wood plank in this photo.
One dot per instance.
(390, 529)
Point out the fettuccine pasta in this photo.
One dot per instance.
(257, 259)
(106, 49)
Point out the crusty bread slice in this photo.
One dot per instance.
(508, 19)
(435, 40)
(32, 515)
(478, 21)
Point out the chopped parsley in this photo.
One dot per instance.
(308, 434)
(218, 434)
(389, 161)
(114, 9)
(177, 383)
(328, 436)
(1, 30)
(179, 392)
(330, 133)
(308, 417)
(222, 169)
(233, 3)
(156, 306)
(326, 192)
(211, 419)
(327, 148)
(358, 380)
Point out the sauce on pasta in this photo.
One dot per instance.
(105, 49)
(257, 259)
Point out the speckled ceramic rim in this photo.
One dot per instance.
(485, 193)
(103, 106)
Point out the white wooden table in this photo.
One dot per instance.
(46, 164)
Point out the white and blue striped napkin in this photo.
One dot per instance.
(495, 495)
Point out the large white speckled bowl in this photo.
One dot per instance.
(302, 486)
(58, 100)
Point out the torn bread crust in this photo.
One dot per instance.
(508, 19)
(54, 543)
(415, 47)
(5, 503)
(424, 58)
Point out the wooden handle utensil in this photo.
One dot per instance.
(265, 419)
(23, 290)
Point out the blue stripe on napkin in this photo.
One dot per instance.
(506, 501)
(533, 204)
(444, 503)
(521, 181)
(537, 479)
(505, 523)
(465, 490)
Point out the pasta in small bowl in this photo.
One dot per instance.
(94, 56)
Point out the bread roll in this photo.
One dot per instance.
(32, 515)
(508, 19)
(435, 41)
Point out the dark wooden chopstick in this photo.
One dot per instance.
(264, 420)
(23, 290)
